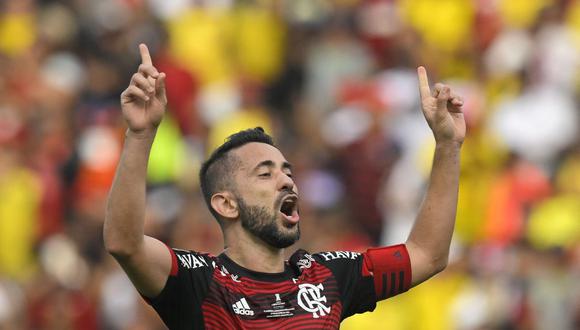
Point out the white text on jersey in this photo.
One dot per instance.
(339, 255)
(191, 261)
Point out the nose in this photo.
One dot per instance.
(285, 182)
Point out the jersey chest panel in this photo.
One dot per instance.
(311, 299)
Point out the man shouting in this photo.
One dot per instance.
(248, 187)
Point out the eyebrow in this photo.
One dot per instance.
(269, 163)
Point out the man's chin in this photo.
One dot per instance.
(283, 244)
(269, 228)
(286, 238)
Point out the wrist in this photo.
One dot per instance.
(448, 145)
(145, 135)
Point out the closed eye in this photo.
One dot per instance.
(264, 175)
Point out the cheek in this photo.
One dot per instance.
(255, 194)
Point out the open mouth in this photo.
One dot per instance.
(289, 208)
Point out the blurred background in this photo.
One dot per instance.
(335, 83)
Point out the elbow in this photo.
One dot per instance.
(426, 262)
(115, 248)
(120, 251)
(436, 263)
(118, 246)
(439, 264)
(110, 242)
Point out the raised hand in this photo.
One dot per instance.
(144, 101)
(442, 109)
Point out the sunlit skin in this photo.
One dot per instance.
(264, 175)
(263, 179)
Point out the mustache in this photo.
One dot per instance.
(284, 194)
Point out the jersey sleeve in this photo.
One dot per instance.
(179, 303)
(365, 278)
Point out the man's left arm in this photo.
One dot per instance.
(391, 270)
(429, 240)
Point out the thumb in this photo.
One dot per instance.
(443, 97)
(160, 85)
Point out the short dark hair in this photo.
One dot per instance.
(216, 172)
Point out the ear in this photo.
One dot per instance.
(225, 205)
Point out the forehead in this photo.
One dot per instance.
(253, 153)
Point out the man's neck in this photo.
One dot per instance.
(252, 253)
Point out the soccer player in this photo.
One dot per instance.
(248, 186)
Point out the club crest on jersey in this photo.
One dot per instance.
(310, 298)
(305, 262)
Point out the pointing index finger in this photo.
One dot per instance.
(423, 82)
(145, 56)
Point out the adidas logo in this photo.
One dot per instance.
(242, 308)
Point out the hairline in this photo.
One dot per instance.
(233, 159)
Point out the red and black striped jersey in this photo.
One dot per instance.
(315, 291)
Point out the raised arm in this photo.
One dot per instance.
(146, 260)
(429, 240)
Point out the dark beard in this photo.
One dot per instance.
(262, 224)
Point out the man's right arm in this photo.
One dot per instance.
(146, 260)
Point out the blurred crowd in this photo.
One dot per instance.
(334, 81)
